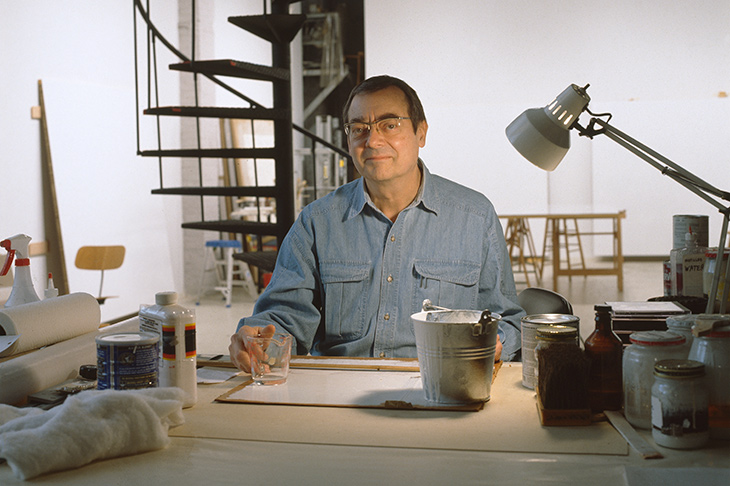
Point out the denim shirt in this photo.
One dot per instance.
(347, 279)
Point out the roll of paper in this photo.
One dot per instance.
(47, 367)
(49, 321)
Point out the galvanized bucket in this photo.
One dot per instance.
(455, 353)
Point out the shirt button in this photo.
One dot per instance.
(386, 317)
(382, 354)
(390, 278)
(392, 238)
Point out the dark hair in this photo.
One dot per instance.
(377, 83)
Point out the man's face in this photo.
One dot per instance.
(383, 158)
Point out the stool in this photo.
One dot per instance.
(226, 268)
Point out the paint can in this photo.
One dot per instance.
(530, 324)
(127, 361)
(681, 223)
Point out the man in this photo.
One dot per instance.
(358, 262)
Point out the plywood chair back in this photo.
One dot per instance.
(100, 258)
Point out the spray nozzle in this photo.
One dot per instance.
(17, 244)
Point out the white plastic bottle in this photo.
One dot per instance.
(176, 327)
(687, 267)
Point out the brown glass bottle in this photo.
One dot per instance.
(604, 350)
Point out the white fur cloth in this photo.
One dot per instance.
(89, 426)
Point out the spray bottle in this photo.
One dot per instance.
(23, 291)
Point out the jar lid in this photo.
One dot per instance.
(551, 319)
(556, 333)
(656, 338)
(679, 368)
(720, 332)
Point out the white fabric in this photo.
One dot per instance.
(89, 426)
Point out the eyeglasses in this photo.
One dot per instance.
(358, 131)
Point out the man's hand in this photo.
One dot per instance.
(498, 350)
(237, 349)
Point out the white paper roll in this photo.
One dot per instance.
(47, 367)
(49, 321)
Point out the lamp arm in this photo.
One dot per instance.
(705, 190)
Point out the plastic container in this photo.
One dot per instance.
(687, 267)
(708, 273)
(23, 291)
(682, 325)
(713, 350)
(175, 325)
(645, 350)
(679, 404)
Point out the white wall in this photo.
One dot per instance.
(82, 51)
(659, 66)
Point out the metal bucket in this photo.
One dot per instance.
(529, 341)
(456, 353)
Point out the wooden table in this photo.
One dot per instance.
(554, 231)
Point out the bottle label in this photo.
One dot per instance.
(678, 421)
(692, 266)
(169, 342)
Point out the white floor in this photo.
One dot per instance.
(642, 280)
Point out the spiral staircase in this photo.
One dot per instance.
(279, 28)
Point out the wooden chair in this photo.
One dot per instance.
(100, 258)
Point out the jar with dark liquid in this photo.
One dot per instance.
(604, 350)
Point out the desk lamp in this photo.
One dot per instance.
(542, 136)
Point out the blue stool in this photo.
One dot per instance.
(226, 268)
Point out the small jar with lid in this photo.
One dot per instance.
(713, 349)
(682, 324)
(679, 404)
(639, 358)
(562, 370)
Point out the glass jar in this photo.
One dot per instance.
(639, 358)
(713, 349)
(682, 325)
(562, 369)
(679, 404)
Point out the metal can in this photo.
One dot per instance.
(646, 349)
(530, 324)
(679, 404)
(681, 223)
(127, 361)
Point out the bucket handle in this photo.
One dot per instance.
(481, 326)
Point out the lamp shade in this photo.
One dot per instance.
(542, 135)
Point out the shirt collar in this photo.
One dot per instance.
(427, 194)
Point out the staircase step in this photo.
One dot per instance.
(238, 69)
(238, 226)
(234, 191)
(219, 153)
(275, 28)
(219, 112)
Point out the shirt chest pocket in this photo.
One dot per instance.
(346, 290)
(452, 284)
